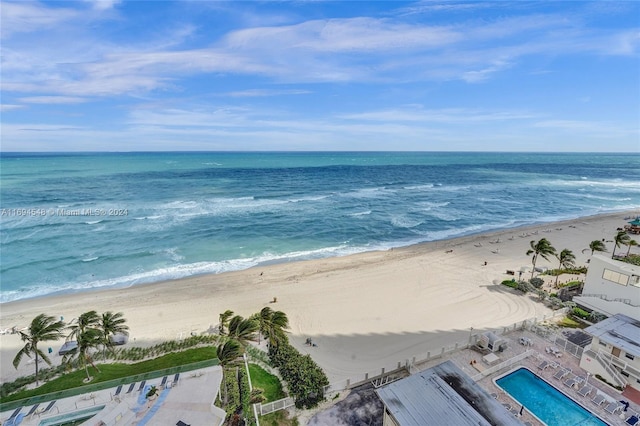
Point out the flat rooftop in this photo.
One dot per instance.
(443, 392)
(620, 331)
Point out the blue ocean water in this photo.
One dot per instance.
(80, 221)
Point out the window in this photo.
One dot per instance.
(624, 373)
(615, 277)
(602, 343)
(629, 356)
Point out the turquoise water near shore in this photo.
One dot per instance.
(73, 222)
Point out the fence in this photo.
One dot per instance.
(508, 363)
(409, 365)
(557, 340)
(273, 406)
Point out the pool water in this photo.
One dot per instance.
(545, 401)
(72, 418)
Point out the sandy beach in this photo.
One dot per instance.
(363, 311)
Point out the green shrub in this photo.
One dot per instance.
(245, 394)
(510, 283)
(524, 286)
(633, 259)
(305, 378)
(536, 282)
(137, 353)
(231, 392)
(580, 313)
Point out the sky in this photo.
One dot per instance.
(109, 75)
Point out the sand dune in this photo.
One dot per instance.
(363, 311)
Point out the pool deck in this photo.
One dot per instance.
(190, 400)
(464, 359)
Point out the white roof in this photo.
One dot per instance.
(620, 331)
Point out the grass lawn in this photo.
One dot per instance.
(269, 383)
(115, 371)
(279, 418)
(570, 322)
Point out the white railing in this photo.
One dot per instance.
(612, 371)
(505, 364)
(273, 406)
(620, 363)
(606, 298)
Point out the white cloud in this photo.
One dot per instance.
(251, 93)
(24, 17)
(344, 35)
(591, 129)
(10, 107)
(52, 100)
(447, 115)
(361, 49)
(103, 4)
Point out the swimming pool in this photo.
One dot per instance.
(63, 419)
(545, 401)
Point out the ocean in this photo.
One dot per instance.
(75, 222)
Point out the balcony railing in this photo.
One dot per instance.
(605, 297)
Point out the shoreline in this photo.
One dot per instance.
(364, 310)
(275, 262)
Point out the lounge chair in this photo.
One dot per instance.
(175, 379)
(585, 390)
(613, 407)
(598, 398)
(562, 373)
(543, 365)
(633, 420)
(164, 382)
(118, 390)
(14, 416)
(571, 382)
(133, 385)
(142, 383)
(47, 408)
(181, 423)
(32, 411)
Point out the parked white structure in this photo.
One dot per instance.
(611, 287)
(614, 353)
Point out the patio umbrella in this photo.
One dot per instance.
(635, 222)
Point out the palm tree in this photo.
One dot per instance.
(90, 338)
(622, 238)
(630, 244)
(272, 325)
(42, 328)
(86, 331)
(276, 331)
(242, 329)
(110, 325)
(542, 248)
(229, 352)
(88, 320)
(224, 320)
(566, 259)
(263, 318)
(597, 245)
